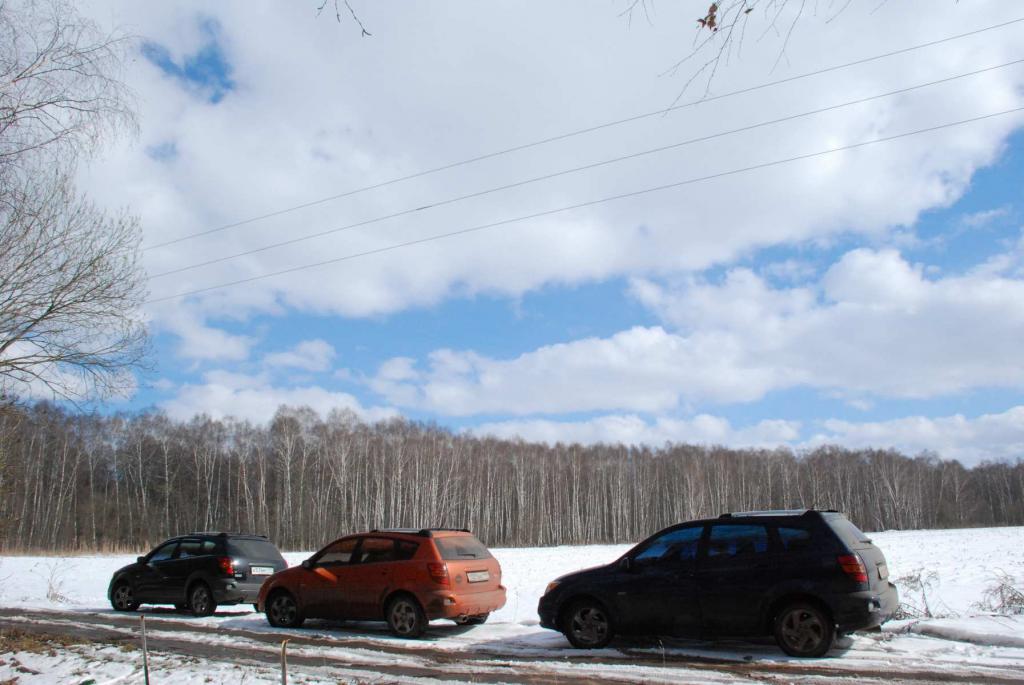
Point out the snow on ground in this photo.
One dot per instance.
(946, 571)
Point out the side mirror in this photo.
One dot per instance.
(626, 564)
(307, 564)
(140, 560)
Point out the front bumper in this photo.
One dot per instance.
(547, 610)
(447, 604)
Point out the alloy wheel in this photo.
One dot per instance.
(404, 617)
(589, 625)
(124, 598)
(803, 630)
(282, 610)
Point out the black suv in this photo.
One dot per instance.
(196, 572)
(802, 576)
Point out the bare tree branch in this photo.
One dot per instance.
(70, 280)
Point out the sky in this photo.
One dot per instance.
(836, 258)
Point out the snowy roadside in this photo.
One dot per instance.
(944, 574)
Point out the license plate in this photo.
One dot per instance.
(883, 571)
(262, 570)
(478, 576)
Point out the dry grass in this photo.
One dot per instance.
(15, 640)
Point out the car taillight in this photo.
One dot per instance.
(853, 567)
(438, 571)
(226, 567)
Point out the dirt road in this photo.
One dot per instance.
(355, 655)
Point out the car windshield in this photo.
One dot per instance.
(254, 548)
(461, 547)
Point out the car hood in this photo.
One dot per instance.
(591, 572)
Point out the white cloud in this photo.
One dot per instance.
(984, 218)
(309, 355)
(430, 88)
(199, 341)
(990, 437)
(872, 326)
(256, 399)
(634, 430)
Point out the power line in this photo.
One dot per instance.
(536, 179)
(589, 203)
(582, 131)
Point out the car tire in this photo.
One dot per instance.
(201, 601)
(475, 620)
(588, 625)
(803, 630)
(283, 611)
(405, 617)
(122, 598)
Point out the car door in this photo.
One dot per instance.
(321, 588)
(181, 565)
(151, 582)
(734, 577)
(655, 588)
(370, 577)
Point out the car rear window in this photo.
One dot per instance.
(844, 529)
(461, 547)
(251, 548)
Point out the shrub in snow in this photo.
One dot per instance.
(1004, 595)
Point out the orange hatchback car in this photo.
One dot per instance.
(406, 577)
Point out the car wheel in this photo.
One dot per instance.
(803, 630)
(283, 611)
(201, 600)
(475, 620)
(123, 598)
(587, 625)
(405, 617)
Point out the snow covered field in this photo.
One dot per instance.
(945, 572)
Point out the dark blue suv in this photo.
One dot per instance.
(802, 576)
(196, 572)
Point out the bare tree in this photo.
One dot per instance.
(60, 92)
(70, 285)
(70, 281)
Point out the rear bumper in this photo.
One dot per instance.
(230, 591)
(868, 609)
(447, 604)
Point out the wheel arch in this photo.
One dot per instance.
(570, 601)
(400, 592)
(781, 601)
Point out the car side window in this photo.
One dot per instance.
(209, 547)
(337, 553)
(164, 552)
(728, 541)
(405, 550)
(677, 546)
(375, 550)
(189, 548)
(794, 539)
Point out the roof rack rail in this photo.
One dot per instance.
(223, 534)
(422, 532)
(767, 512)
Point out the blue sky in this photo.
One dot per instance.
(871, 297)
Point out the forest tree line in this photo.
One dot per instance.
(73, 481)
